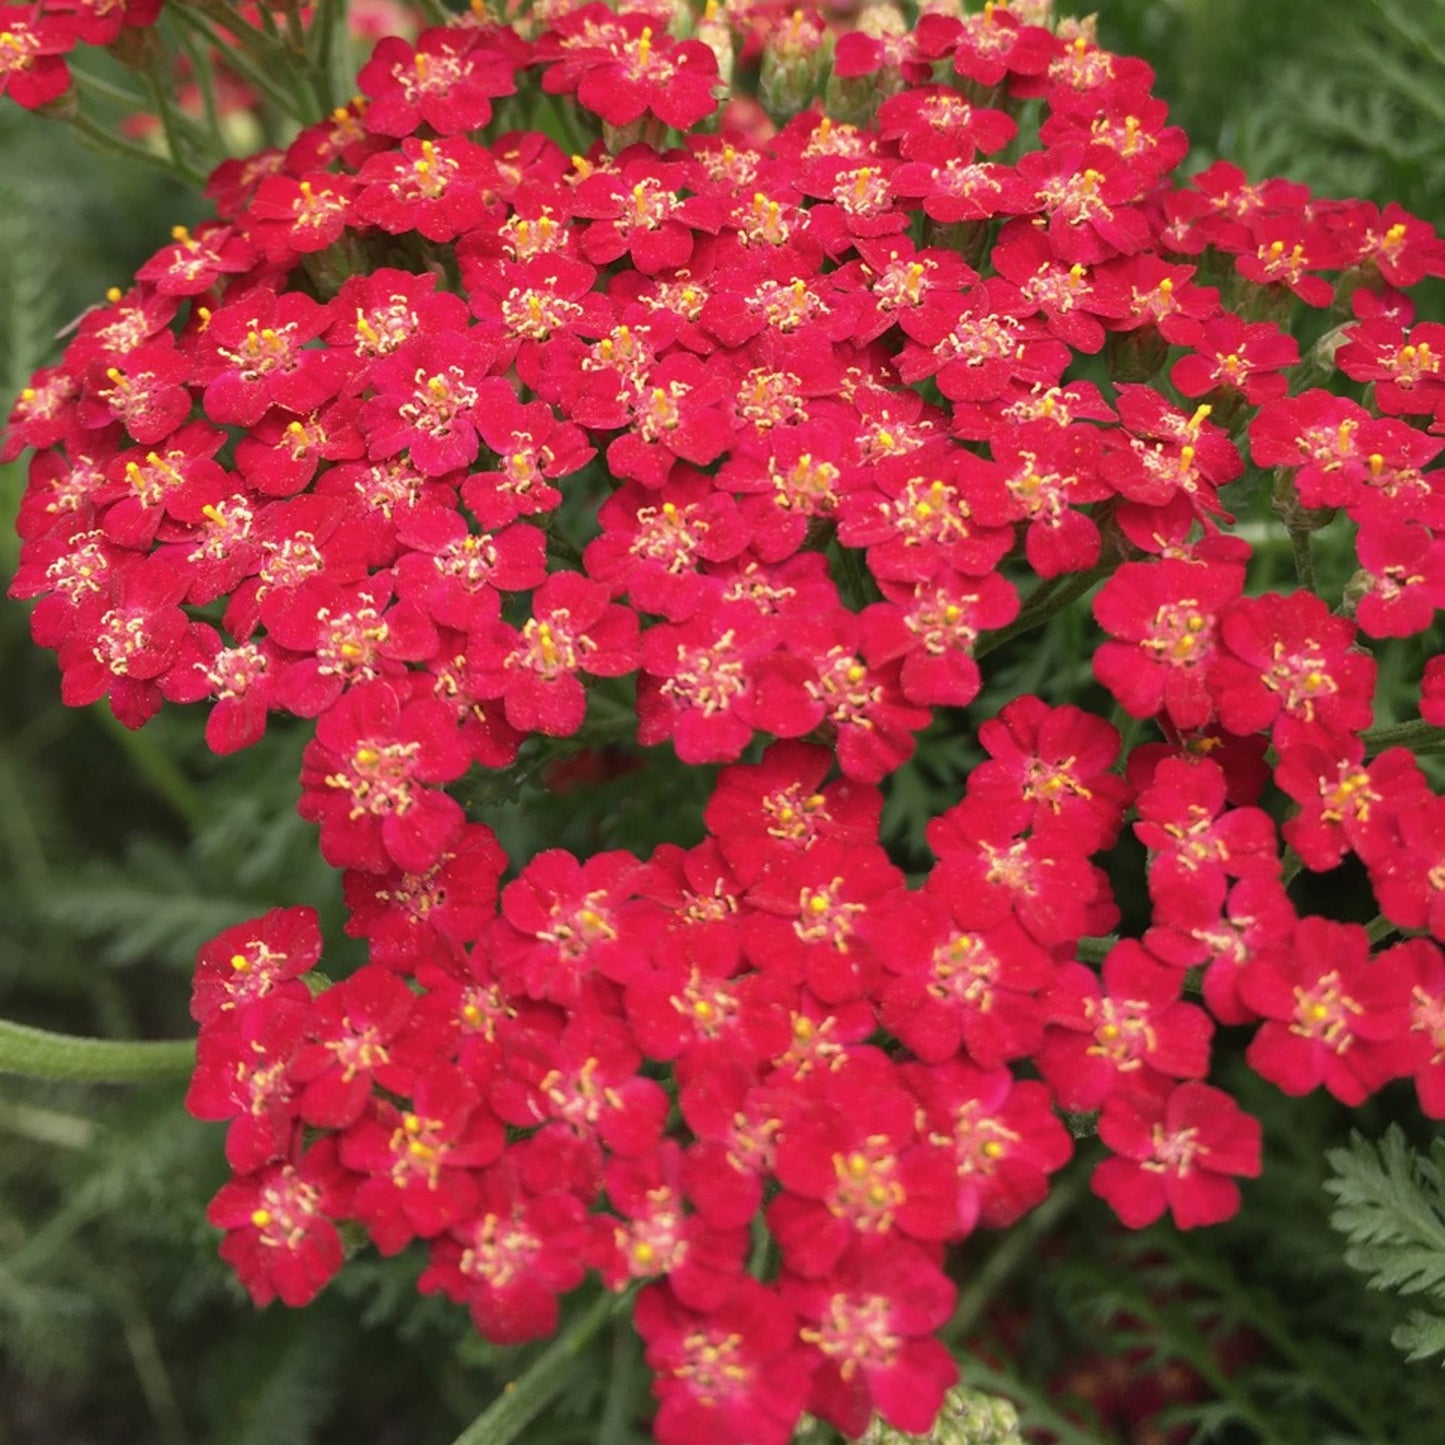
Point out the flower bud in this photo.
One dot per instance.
(794, 66)
(1041, 12)
(856, 98)
(1070, 28)
(968, 1417)
(1291, 512)
(715, 32)
(1356, 590)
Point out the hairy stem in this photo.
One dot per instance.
(40, 1054)
(550, 1374)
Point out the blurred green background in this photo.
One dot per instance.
(122, 852)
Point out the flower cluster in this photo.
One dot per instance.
(35, 39)
(440, 437)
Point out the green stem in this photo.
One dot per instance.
(309, 89)
(253, 74)
(40, 1054)
(206, 83)
(295, 34)
(170, 125)
(1050, 599)
(550, 1375)
(102, 140)
(857, 584)
(1018, 1246)
(1304, 560)
(1096, 950)
(243, 32)
(1380, 927)
(326, 28)
(617, 1414)
(1418, 736)
(1259, 1313)
(87, 84)
(1291, 866)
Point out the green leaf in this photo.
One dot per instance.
(1390, 1206)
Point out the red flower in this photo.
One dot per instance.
(935, 123)
(127, 650)
(657, 1236)
(343, 637)
(194, 262)
(290, 218)
(533, 449)
(280, 1238)
(260, 959)
(1290, 665)
(866, 711)
(367, 780)
(573, 629)
(961, 987)
(436, 188)
(426, 392)
(254, 355)
(633, 72)
(145, 390)
(1086, 192)
(1195, 843)
(1176, 1148)
(1403, 363)
(421, 1162)
(360, 1037)
(1422, 961)
(1165, 615)
(568, 922)
(777, 809)
(933, 627)
(1344, 805)
(406, 917)
(448, 81)
(459, 575)
(1122, 1035)
(637, 212)
(1003, 1135)
(1257, 923)
(1050, 771)
(870, 1323)
(1234, 355)
(1401, 577)
(243, 1063)
(1332, 1016)
(732, 1374)
(1046, 882)
(807, 915)
(851, 1166)
(1408, 876)
(511, 1256)
(583, 1087)
(32, 69)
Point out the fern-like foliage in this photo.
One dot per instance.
(1390, 1206)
